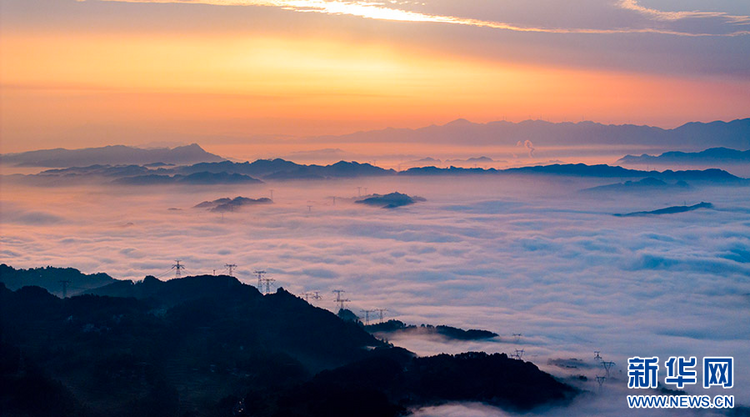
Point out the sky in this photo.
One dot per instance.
(217, 72)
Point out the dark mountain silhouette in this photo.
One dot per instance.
(111, 155)
(259, 168)
(399, 327)
(231, 204)
(224, 172)
(209, 178)
(49, 278)
(279, 169)
(691, 136)
(389, 201)
(588, 171)
(227, 172)
(668, 210)
(340, 169)
(390, 380)
(645, 185)
(198, 178)
(713, 156)
(212, 346)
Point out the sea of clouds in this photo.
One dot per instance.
(528, 255)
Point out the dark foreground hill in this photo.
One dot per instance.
(212, 346)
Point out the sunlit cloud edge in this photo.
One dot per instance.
(377, 11)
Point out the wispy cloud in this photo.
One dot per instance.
(378, 11)
(680, 15)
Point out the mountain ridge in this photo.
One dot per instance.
(691, 135)
(709, 156)
(212, 346)
(110, 155)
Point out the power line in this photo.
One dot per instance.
(381, 311)
(367, 315)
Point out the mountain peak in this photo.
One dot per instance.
(459, 123)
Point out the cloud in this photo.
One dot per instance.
(680, 15)
(379, 11)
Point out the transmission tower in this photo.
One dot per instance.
(517, 337)
(231, 268)
(381, 311)
(600, 380)
(315, 295)
(359, 191)
(268, 282)
(518, 354)
(178, 268)
(597, 355)
(64, 287)
(367, 315)
(341, 301)
(271, 191)
(607, 366)
(260, 274)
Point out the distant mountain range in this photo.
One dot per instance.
(713, 156)
(111, 155)
(205, 173)
(263, 170)
(198, 178)
(690, 136)
(715, 176)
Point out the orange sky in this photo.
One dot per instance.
(75, 88)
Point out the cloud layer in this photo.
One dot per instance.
(511, 255)
(395, 11)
